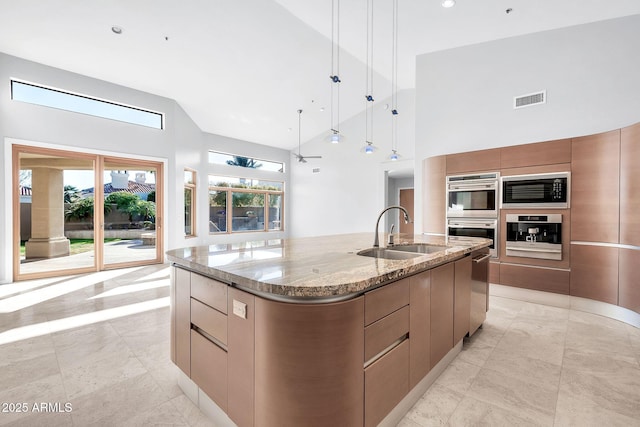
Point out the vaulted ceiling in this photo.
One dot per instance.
(242, 68)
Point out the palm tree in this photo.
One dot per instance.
(71, 194)
(244, 162)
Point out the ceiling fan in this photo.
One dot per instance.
(299, 156)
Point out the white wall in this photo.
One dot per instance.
(181, 144)
(465, 96)
(349, 191)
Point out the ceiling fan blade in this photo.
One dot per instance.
(313, 157)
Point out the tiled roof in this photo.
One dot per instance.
(134, 188)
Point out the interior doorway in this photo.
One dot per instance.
(78, 212)
(406, 200)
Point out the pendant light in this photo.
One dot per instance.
(369, 148)
(335, 71)
(394, 86)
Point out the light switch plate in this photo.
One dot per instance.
(240, 309)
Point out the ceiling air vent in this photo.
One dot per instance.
(530, 99)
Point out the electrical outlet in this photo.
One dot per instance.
(240, 309)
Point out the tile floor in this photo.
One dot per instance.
(100, 342)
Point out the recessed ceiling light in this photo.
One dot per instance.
(116, 29)
(448, 3)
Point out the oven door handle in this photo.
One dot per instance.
(482, 258)
(517, 248)
(485, 226)
(472, 187)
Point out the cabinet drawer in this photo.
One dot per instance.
(209, 291)
(209, 320)
(383, 333)
(209, 368)
(386, 382)
(385, 300)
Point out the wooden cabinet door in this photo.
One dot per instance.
(441, 312)
(434, 196)
(386, 383)
(538, 154)
(419, 327)
(594, 273)
(181, 319)
(630, 185)
(595, 187)
(462, 298)
(474, 161)
(241, 363)
(629, 279)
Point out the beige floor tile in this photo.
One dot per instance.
(191, 413)
(47, 389)
(163, 415)
(42, 420)
(534, 371)
(25, 349)
(406, 422)
(435, 407)
(616, 391)
(473, 412)
(515, 395)
(166, 375)
(92, 375)
(548, 346)
(458, 376)
(575, 411)
(117, 403)
(30, 369)
(87, 344)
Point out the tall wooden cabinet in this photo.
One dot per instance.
(595, 187)
(629, 275)
(434, 194)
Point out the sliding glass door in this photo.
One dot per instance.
(76, 212)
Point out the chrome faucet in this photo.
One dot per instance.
(407, 220)
(390, 241)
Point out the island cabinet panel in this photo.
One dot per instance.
(210, 292)
(535, 278)
(385, 332)
(474, 161)
(434, 198)
(209, 368)
(630, 185)
(594, 273)
(384, 300)
(494, 272)
(309, 363)
(419, 327)
(386, 383)
(538, 154)
(442, 283)
(241, 363)
(211, 321)
(462, 298)
(181, 321)
(630, 279)
(595, 188)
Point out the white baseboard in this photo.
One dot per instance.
(566, 301)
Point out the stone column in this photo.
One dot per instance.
(47, 215)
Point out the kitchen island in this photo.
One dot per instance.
(307, 332)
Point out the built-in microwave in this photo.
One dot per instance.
(474, 196)
(547, 190)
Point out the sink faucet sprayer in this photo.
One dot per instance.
(407, 220)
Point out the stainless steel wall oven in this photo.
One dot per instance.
(473, 196)
(475, 227)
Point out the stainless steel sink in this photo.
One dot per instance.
(387, 253)
(402, 251)
(419, 248)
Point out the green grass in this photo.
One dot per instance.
(78, 246)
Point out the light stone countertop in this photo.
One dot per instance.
(314, 269)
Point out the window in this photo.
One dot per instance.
(244, 204)
(218, 158)
(55, 98)
(189, 203)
